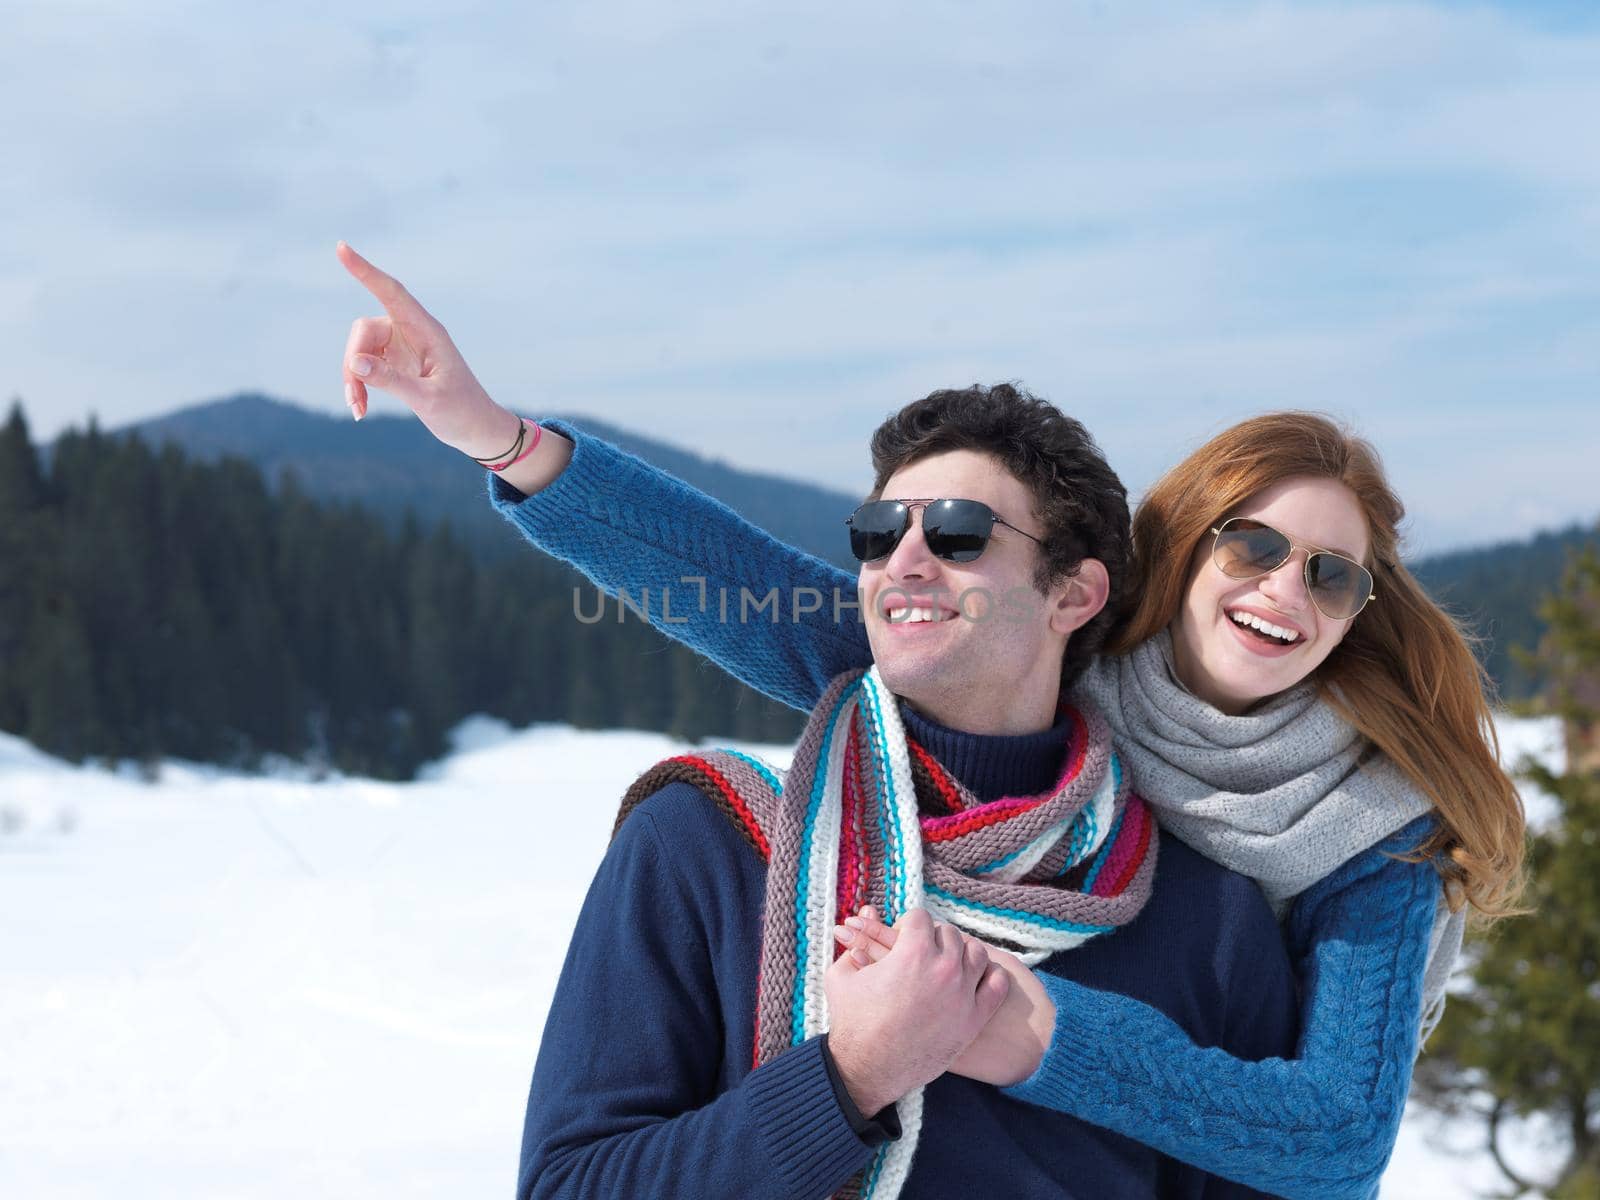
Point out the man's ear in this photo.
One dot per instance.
(1080, 597)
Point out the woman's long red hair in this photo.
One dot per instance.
(1405, 674)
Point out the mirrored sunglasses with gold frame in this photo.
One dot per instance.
(1340, 587)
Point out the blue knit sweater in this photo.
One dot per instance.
(1321, 1124)
(644, 1084)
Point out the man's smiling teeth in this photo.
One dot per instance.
(1251, 621)
(907, 616)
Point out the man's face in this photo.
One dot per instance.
(971, 645)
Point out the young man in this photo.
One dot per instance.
(704, 1041)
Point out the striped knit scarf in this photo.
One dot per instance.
(865, 815)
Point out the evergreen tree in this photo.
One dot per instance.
(699, 705)
(441, 582)
(1570, 653)
(22, 546)
(21, 479)
(58, 673)
(1527, 1033)
(592, 682)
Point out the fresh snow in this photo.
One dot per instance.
(238, 987)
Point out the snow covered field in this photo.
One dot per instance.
(242, 987)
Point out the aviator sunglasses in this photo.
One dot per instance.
(955, 530)
(1340, 587)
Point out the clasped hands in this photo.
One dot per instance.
(910, 1002)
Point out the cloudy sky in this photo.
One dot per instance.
(755, 229)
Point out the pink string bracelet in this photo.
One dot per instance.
(522, 432)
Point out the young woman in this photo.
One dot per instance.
(1286, 697)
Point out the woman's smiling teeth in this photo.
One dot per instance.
(1251, 621)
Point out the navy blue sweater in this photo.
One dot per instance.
(644, 1087)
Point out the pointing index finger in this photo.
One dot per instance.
(397, 302)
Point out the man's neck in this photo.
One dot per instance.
(993, 765)
(993, 711)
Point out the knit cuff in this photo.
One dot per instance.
(567, 493)
(1074, 1063)
(799, 1119)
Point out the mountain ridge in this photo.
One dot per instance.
(1496, 589)
(384, 456)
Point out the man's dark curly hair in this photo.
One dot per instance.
(1077, 497)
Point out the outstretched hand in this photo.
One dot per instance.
(1013, 1041)
(408, 353)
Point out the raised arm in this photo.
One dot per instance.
(776, 618)
(1322, 1125)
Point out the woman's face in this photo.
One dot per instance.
(1233, 666)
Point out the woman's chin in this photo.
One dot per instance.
(1237, 685)
(1238, 671)
(1252, 684)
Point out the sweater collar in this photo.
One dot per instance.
(994, 765)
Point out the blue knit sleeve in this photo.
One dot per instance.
(776, 618)
(1318, 1127)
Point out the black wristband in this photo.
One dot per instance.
(522, 432)
(875, 1130)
